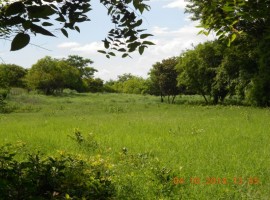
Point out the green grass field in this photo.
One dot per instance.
(204, 152)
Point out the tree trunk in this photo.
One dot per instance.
(161, 98)
(173, 98)
(169, 99)
(204, 97)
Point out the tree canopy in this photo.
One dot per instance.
(163, 76)
(19, 20)
(229, 18)
(11, 75)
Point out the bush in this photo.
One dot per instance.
(3, 93)
(46, 177)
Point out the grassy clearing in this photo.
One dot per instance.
(204, 146)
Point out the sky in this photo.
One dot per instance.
(173, 33)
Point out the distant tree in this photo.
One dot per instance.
(135, 85)
(82, 65)
(124, 77)
(69, 76)
(94, 85)
(163, 76)
(108, 86)
(197, 70)
(127, 83)
(51, 75)
(12, 75)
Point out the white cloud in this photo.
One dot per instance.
(67, 45)
(88, 48)
(180, 4)
(169, 42)
(173, 42)
(83, 48)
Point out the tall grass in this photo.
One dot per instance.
(202, 145)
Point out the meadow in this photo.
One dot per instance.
(158, 151)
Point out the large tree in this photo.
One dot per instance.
(81, 64)
(11, 75)
(51, 75)
(198, 67)
(163, 76)
(229, 19)
(21, 19)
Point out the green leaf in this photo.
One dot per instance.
(60, 19)
(148, 43)
(124, 55)
(101, 51)
(26, 25)
(143, 36)
(40, 11)
(47, 24)
(111, 53)
(138, 23)
(39, 29)
(141, 49)
(133, 46)
(141, 8)
(229, 42)
(106, 43)
(233, 37)
(77, 29)
(14, 21)
(20, 41)
(122, 50)
(136, 3)
(64, 31)
(228, 8)
(15, 8)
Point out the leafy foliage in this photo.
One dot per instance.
(52, 75)
(24, 18)
(163, 78)
(231, 18)
(127, 83)
(12, 76)
(3, 96)
(94, 85)
(82, 65)
(47, 177)
(198, 68)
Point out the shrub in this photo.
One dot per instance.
(3, 93)
(46, 177)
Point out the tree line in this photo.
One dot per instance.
(211, 69)
(51, 76)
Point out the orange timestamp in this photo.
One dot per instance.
(216, 181)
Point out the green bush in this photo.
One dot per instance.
(3, 93)
(46, 177)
